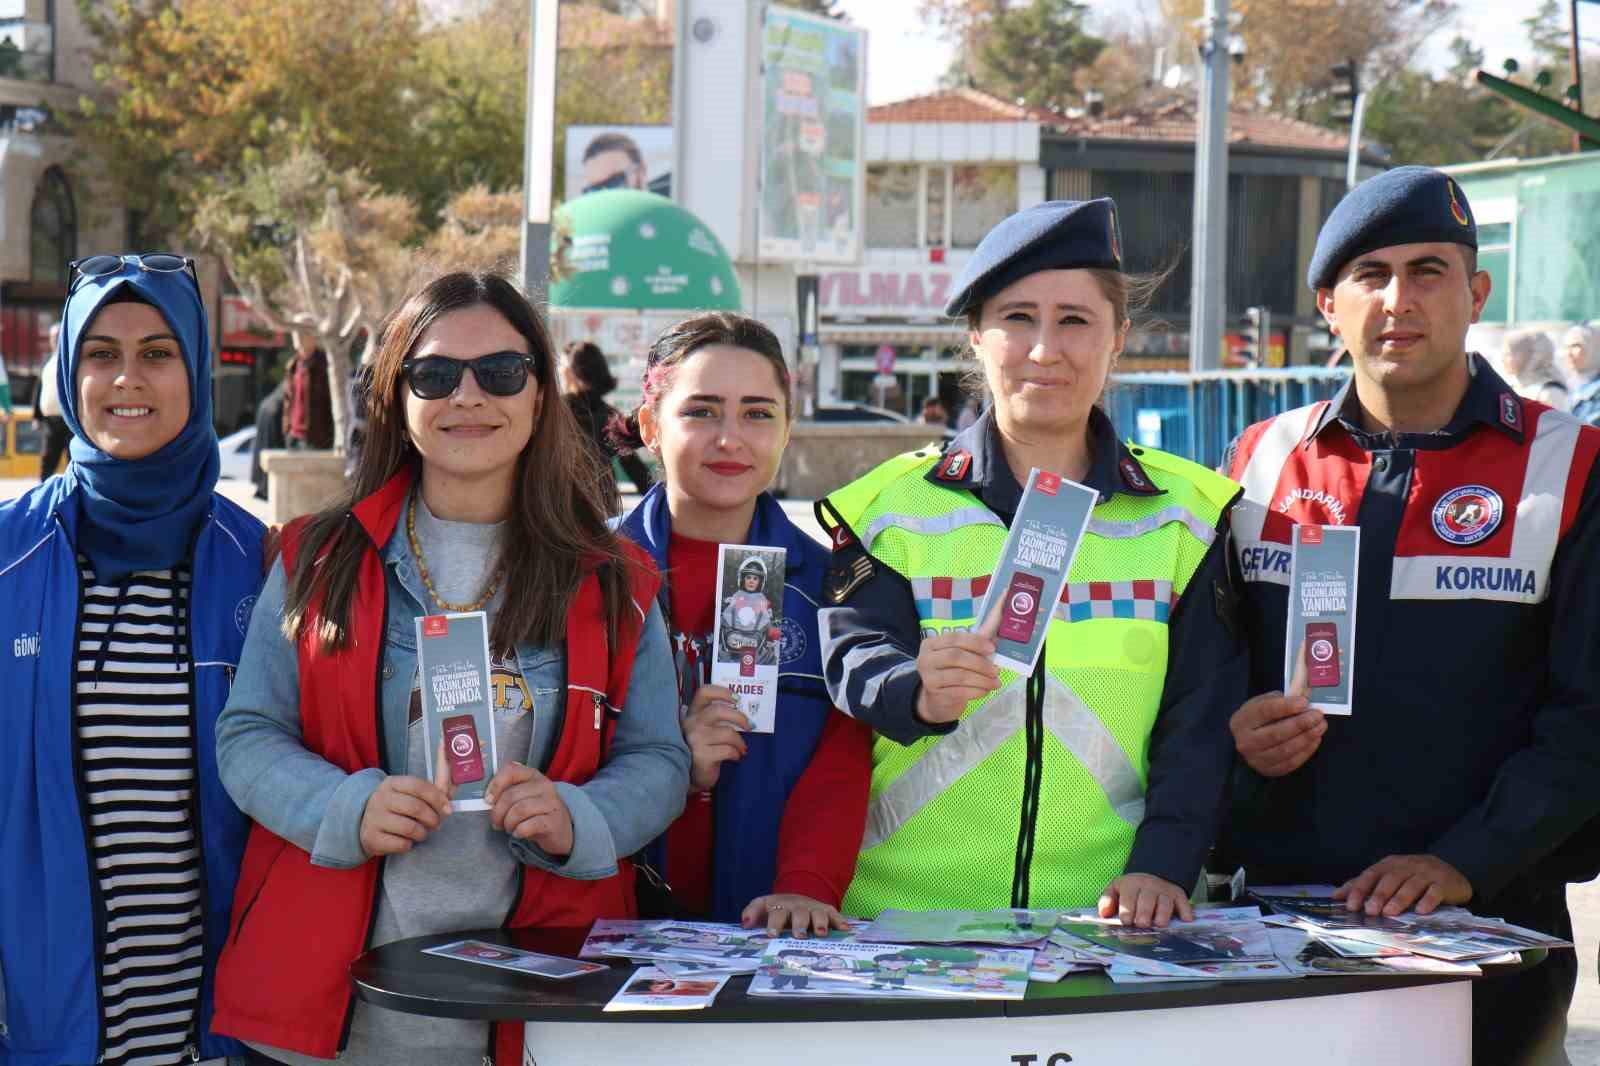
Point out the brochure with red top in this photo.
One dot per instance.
(1045, 533)
(1319, 654)
(457, 716)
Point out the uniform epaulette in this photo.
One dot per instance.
(1216, 488)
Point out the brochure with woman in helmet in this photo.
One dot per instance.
(748, 629)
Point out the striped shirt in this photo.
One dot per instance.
(137, 769)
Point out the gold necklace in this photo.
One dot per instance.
(427, 582)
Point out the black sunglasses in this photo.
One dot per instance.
(98, 266)
(433, 377)
(619, 180)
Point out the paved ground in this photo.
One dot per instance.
(1583, 1041)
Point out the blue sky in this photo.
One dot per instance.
(905, 58)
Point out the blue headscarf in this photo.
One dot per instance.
(141, 514)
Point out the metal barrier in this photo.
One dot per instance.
(1196, 415)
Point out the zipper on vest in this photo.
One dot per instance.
(96, 898)
(377, 887)
(599, 710)
(1032, 784)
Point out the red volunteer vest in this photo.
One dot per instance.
(1482, 519)
(283, 978)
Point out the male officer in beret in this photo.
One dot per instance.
(1472, 754)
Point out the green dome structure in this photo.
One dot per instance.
(625, 249)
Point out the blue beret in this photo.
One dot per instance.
(1054, 235)
(1407, 205)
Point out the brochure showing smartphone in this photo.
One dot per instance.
(457, 718)
(749, 629)
(1320, 649)
(650, 989)
(1045, 534)
(504, 957)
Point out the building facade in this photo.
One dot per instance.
(944, 168)
(51, 210)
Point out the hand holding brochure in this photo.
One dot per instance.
(457, 719)
(749, 629)
(1044, 538)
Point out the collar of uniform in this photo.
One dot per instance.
(975, 460)
(1488, 400)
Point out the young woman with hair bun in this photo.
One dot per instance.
(774, 820)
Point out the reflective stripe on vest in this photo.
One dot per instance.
(1524, 575)
(1260, 481)
(930, 525)
(979, 736)
(1203, 531)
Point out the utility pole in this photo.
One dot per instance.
(1207, 292)
(1350, 72)
(539, 136)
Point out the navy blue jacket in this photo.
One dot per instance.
(49, 900)
(751, 793)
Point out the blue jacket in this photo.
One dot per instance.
(49, 900)
(751, 793)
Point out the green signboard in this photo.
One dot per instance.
(631, 250)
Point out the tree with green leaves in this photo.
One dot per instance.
(1035, 53)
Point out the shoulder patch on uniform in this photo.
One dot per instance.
(954, 466)
(1132, 475)
(845, 578)
(842, 537)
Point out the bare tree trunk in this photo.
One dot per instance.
(338, 350)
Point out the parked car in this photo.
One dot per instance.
(236, 453)
(21, 442)
(855, 412)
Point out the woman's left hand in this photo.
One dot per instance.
(525, 804)
(1144, 900)
(801, 913)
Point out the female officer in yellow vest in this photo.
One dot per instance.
(1099, 779)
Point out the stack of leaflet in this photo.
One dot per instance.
(1320, 936)
(678, 949)
(1222, 943)
(1022, 929)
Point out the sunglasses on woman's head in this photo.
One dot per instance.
(98, 266)
(433, 377)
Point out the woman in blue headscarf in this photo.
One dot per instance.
(127, 583)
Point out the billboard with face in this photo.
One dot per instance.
(618, 157)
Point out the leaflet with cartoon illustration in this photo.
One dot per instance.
(748, 633)
(1176, 949)
(1319, 652)
(1305, 955)
(505, 957)
(804, 968)
(1008, 928)
(1045, 534)
(651, 989)
(457, 716)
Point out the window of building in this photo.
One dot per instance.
(936, 206)
(984, 197)
(54, 228)
(892, 206)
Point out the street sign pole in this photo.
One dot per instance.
(1210, 264)
(539, 132)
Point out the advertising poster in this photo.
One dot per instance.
(1320, 650)
(1044, 537)
(618, 157)
(747, 634)
(813, 97)
(457, 720)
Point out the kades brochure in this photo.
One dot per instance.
(748, 630)
(1049, 525)
(457, 716)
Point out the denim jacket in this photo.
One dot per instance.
(317, 806)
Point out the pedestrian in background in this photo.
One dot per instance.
(1528, 359)
(269, 435)
(1580, 351)
(934, 413)
(1469, 762)
(586, 381)
(774, 820)
(130, 574)
(47, 412)
(474, 493)
(1120, 802)
(307, 410)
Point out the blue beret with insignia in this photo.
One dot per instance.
(1407, 205)
(1054, 235)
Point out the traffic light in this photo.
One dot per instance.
(1348, 72)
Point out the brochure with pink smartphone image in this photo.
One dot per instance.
(457, 715)
(1319, 650)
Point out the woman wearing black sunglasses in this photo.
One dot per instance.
(474, 492)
